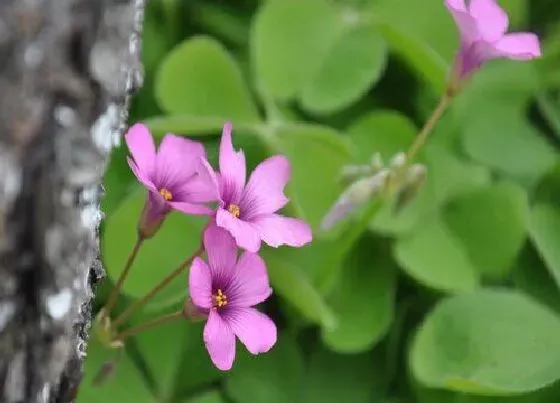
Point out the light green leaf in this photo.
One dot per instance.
(496, 131)
(317, 154)
(410, 31)
(386, 132)
(334, 378)
(545, 233)
(289, 41)
(176, 240)
(125, 384)
(369, 277)
(291, 282)
(274, 377)
(432, 256)
(199, 78)
(355, 62)
(488, 342)
(490, 222)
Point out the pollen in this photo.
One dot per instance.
(166, 194)
(220, 299)
(234, 209)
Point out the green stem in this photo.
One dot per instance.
(115, 291)
(138, 304)
(149, 325)
(428, 127)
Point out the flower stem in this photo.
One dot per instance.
(138, 304)
(115, 291)
(150, 324)
(428, 127)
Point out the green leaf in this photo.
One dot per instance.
(176, 240)
(317, 154)
(292, 283)
(410, 31)
(532, 276)
(274, 377)
(490, 222)
(355, 62)
(544, 231)
(488, 342)
(386, 132)
(117, 182)
(496, 131)
(207, 397)
(199, 78)
(334, 378)
(289, 40)
(369, 277)
(196, 369)
(125, 384)
(432, 256)
(175, 355)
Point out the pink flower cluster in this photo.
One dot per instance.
(226, 289)
(483, 29)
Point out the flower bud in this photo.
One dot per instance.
(152, 216)
(353, 197)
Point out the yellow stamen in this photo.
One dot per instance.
(234, 209)
(220, 299)
(166, 194)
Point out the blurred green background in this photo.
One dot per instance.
(455, 299)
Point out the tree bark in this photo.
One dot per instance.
(67, 71)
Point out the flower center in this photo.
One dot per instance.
(220, 299)
(166, 194)
(234, 209)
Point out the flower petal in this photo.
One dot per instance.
(519, 46)
(191, 208)
(222, 254)
(197, 190)
(255, 330)
(200, 283)
(245, 234)
(466, 24)
(264, 193)
(249, 285)
(276, 230)
(142, 147)
(232, 168)
(141, 175)
(177, 161)
(492, 21)
(220, 341)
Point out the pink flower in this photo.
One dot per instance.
(483, 25)
(247, 211)
(228, 288)
(170, 175)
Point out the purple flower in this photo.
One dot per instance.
(228, 288)
(483, 25)
(247, 210)
(170, 175)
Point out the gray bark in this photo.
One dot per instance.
(67, 70)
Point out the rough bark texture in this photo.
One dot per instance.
(67, 69)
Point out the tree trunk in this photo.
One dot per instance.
(67, 70)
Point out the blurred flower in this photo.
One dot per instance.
(170, 175)
(247, 211)
(483, 25)
(228, 289)
(353, 197)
